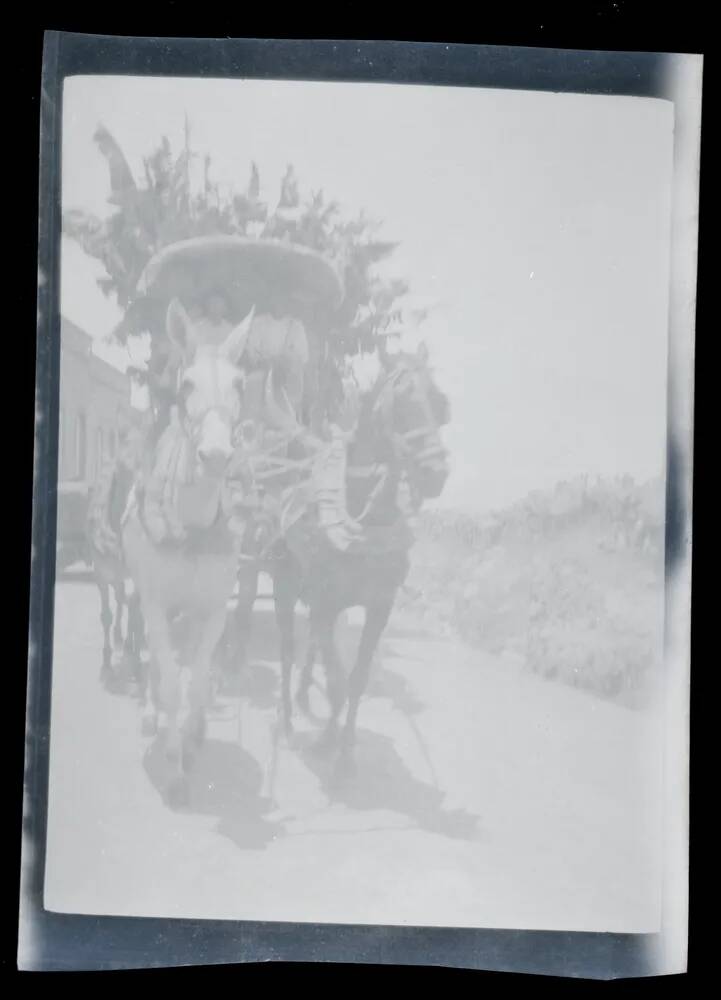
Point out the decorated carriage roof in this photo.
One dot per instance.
(245, 269)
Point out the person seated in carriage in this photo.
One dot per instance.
(278, 343)
(289, 383)
(212, 324)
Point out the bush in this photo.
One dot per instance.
(570, 581)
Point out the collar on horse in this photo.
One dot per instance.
(157, 496)
(192, 539)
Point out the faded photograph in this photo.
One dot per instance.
(359, 600)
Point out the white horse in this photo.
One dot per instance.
(178, 542)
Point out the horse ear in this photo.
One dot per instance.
(234, 344)
(179, 328)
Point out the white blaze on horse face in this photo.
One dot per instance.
(213, 404)
(215, 437)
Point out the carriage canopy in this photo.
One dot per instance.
(247, 270)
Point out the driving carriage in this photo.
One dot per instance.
(257, 461)
(291, 383)
(231, 366)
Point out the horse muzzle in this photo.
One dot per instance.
(214, 461)
(430, 475)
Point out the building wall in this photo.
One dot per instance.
(94, 407)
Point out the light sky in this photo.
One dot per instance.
(539, 222)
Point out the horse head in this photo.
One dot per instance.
(210, 390)
(412, 409)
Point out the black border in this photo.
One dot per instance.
(76, 942)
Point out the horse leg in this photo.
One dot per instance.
(210, 630)
(306, 675)
(285, 595)
(240, 625)
(106, 618)
(134, 635)
(120, 605)
(131, 643)
(376, 619)
(149, 696)
(170, 699)
(324, 630)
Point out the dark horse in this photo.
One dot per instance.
(396, 444)
(107, 506)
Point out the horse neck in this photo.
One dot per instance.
(172, 467)
(371, 456)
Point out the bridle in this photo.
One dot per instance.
(192, 426)
(404, 443)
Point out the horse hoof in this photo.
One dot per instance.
(178, 793)
(117, 663)
(188, 753)
(149, 726)
(201, 731)
(327, 743)
(110, 680)
(187, 760)
(224, 683)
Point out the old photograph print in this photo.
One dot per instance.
(359, 603)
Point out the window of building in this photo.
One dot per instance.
(99, 451)
(81, 447)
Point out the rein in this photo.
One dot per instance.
(157, 500)
(277, 465)
(327, 489)
(403, 439)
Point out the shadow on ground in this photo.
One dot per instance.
(226, 782)
(382, 781)
(259, 681)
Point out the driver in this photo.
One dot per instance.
(213, 325)
(276, 338)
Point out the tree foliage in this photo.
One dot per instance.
(161, 208)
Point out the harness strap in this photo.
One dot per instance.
(361, 471)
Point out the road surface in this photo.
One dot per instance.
(484, 797)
